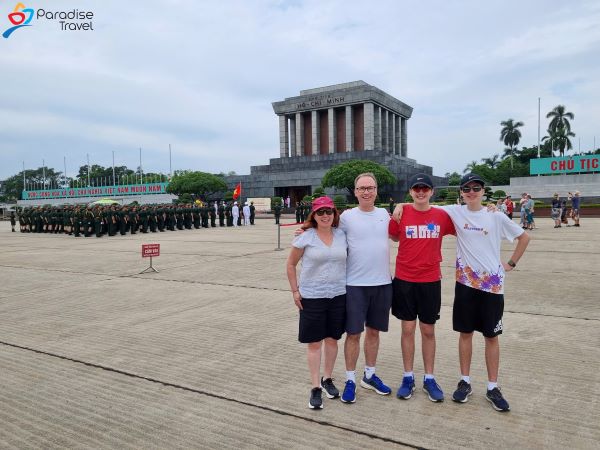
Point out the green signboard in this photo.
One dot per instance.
(572, 164)
(99, 191)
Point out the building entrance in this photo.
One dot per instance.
(296, 193)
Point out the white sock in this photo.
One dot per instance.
(429, 376)
(492, 385)
(466, 378)
(409, 374)
(369, 372)
(351, 375)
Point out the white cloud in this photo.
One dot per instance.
(201, 75)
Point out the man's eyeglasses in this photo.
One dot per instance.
(421, 188)
(467, 189)
(324, 211)
(366, 189)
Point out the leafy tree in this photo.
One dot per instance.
(319, 192)
(453, 178)
(560, 119)
(559, 139)
(441, 194)
(493, 161)
(499, 194)
(340, 202)
(343, 175)
(228, 196)
(276, 201)
(510, 134)
(471, 167)
(451, 197)
(201, 184)
(34, 179)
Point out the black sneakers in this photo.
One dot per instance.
(316, 400)
(462, 392)
(330, 390)
(497, 400)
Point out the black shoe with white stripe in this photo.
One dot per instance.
(316, 399)
(330, 390)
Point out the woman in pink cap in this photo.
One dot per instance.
(320, 293)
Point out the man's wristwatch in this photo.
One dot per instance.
(511, 263)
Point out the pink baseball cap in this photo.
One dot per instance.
(322, 202)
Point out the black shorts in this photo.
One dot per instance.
(368, 305)
(476, 310)
(321, 318)
(412, 300)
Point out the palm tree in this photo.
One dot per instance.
(559, 139)
(492, 162)
(470, 167)
(560, 118)
(510, 135)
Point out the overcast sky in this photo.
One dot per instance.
(201, 76)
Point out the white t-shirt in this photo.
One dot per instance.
(323, 272)
(478, 238)
(368, 247)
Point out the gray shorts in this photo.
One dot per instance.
(368, 305)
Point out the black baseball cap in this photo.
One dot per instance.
(420, 178)
(470, 177)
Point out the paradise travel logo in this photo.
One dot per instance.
(72, 20)
(20, 17)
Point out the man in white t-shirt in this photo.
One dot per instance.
(368, 280)
(479, 290)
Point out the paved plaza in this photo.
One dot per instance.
(204, 354)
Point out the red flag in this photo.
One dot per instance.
(237, 191)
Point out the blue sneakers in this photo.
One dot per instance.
(375, 384)
(406, 389)
(433, 390)
(349, 394)
(497, 400)
(461, 395)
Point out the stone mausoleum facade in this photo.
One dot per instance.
(326, 126)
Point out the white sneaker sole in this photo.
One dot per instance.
(495, 407)
(408, 396)
(328, 394)
(465, 400)
(368, 386)
(314, 407)
(432, 399)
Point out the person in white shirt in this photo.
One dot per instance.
(369, 284)
(246, 212)
(235, 213)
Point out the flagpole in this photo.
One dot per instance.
(141, 172)
(170, 166)
(65, 164)
(88, 169)
(539, 107)
(24, 186)
(114, 168)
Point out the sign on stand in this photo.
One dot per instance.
(150, 251)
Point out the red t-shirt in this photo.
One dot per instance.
(420, 249)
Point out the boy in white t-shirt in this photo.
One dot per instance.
(479, 290)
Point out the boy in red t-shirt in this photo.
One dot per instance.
(417, 285)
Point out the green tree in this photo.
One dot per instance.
(471, 167)
(493, 161)
(453, 178)
(510, 134)
(340, 202)
(201, 184)
(343, 175)
(559, 139)
(319, 192)
(276, 201)
(560, 119)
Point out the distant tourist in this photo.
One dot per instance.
(575, 203)
(556, 210)
(509, 206)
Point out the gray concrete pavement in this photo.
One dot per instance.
(204, 353)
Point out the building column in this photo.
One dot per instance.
(390, 117)
(384, 131)
(316, 144)
(377, 127)
(397, 134)
(332, 131)
(299, 135)
(293, 136)
(403, 138)
(369, 126)
(349, 130)
(284, 138)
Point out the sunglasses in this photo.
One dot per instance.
(323, 211)
(421, 188)
(468, 189)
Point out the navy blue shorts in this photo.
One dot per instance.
(368, 305)
(322, 318)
